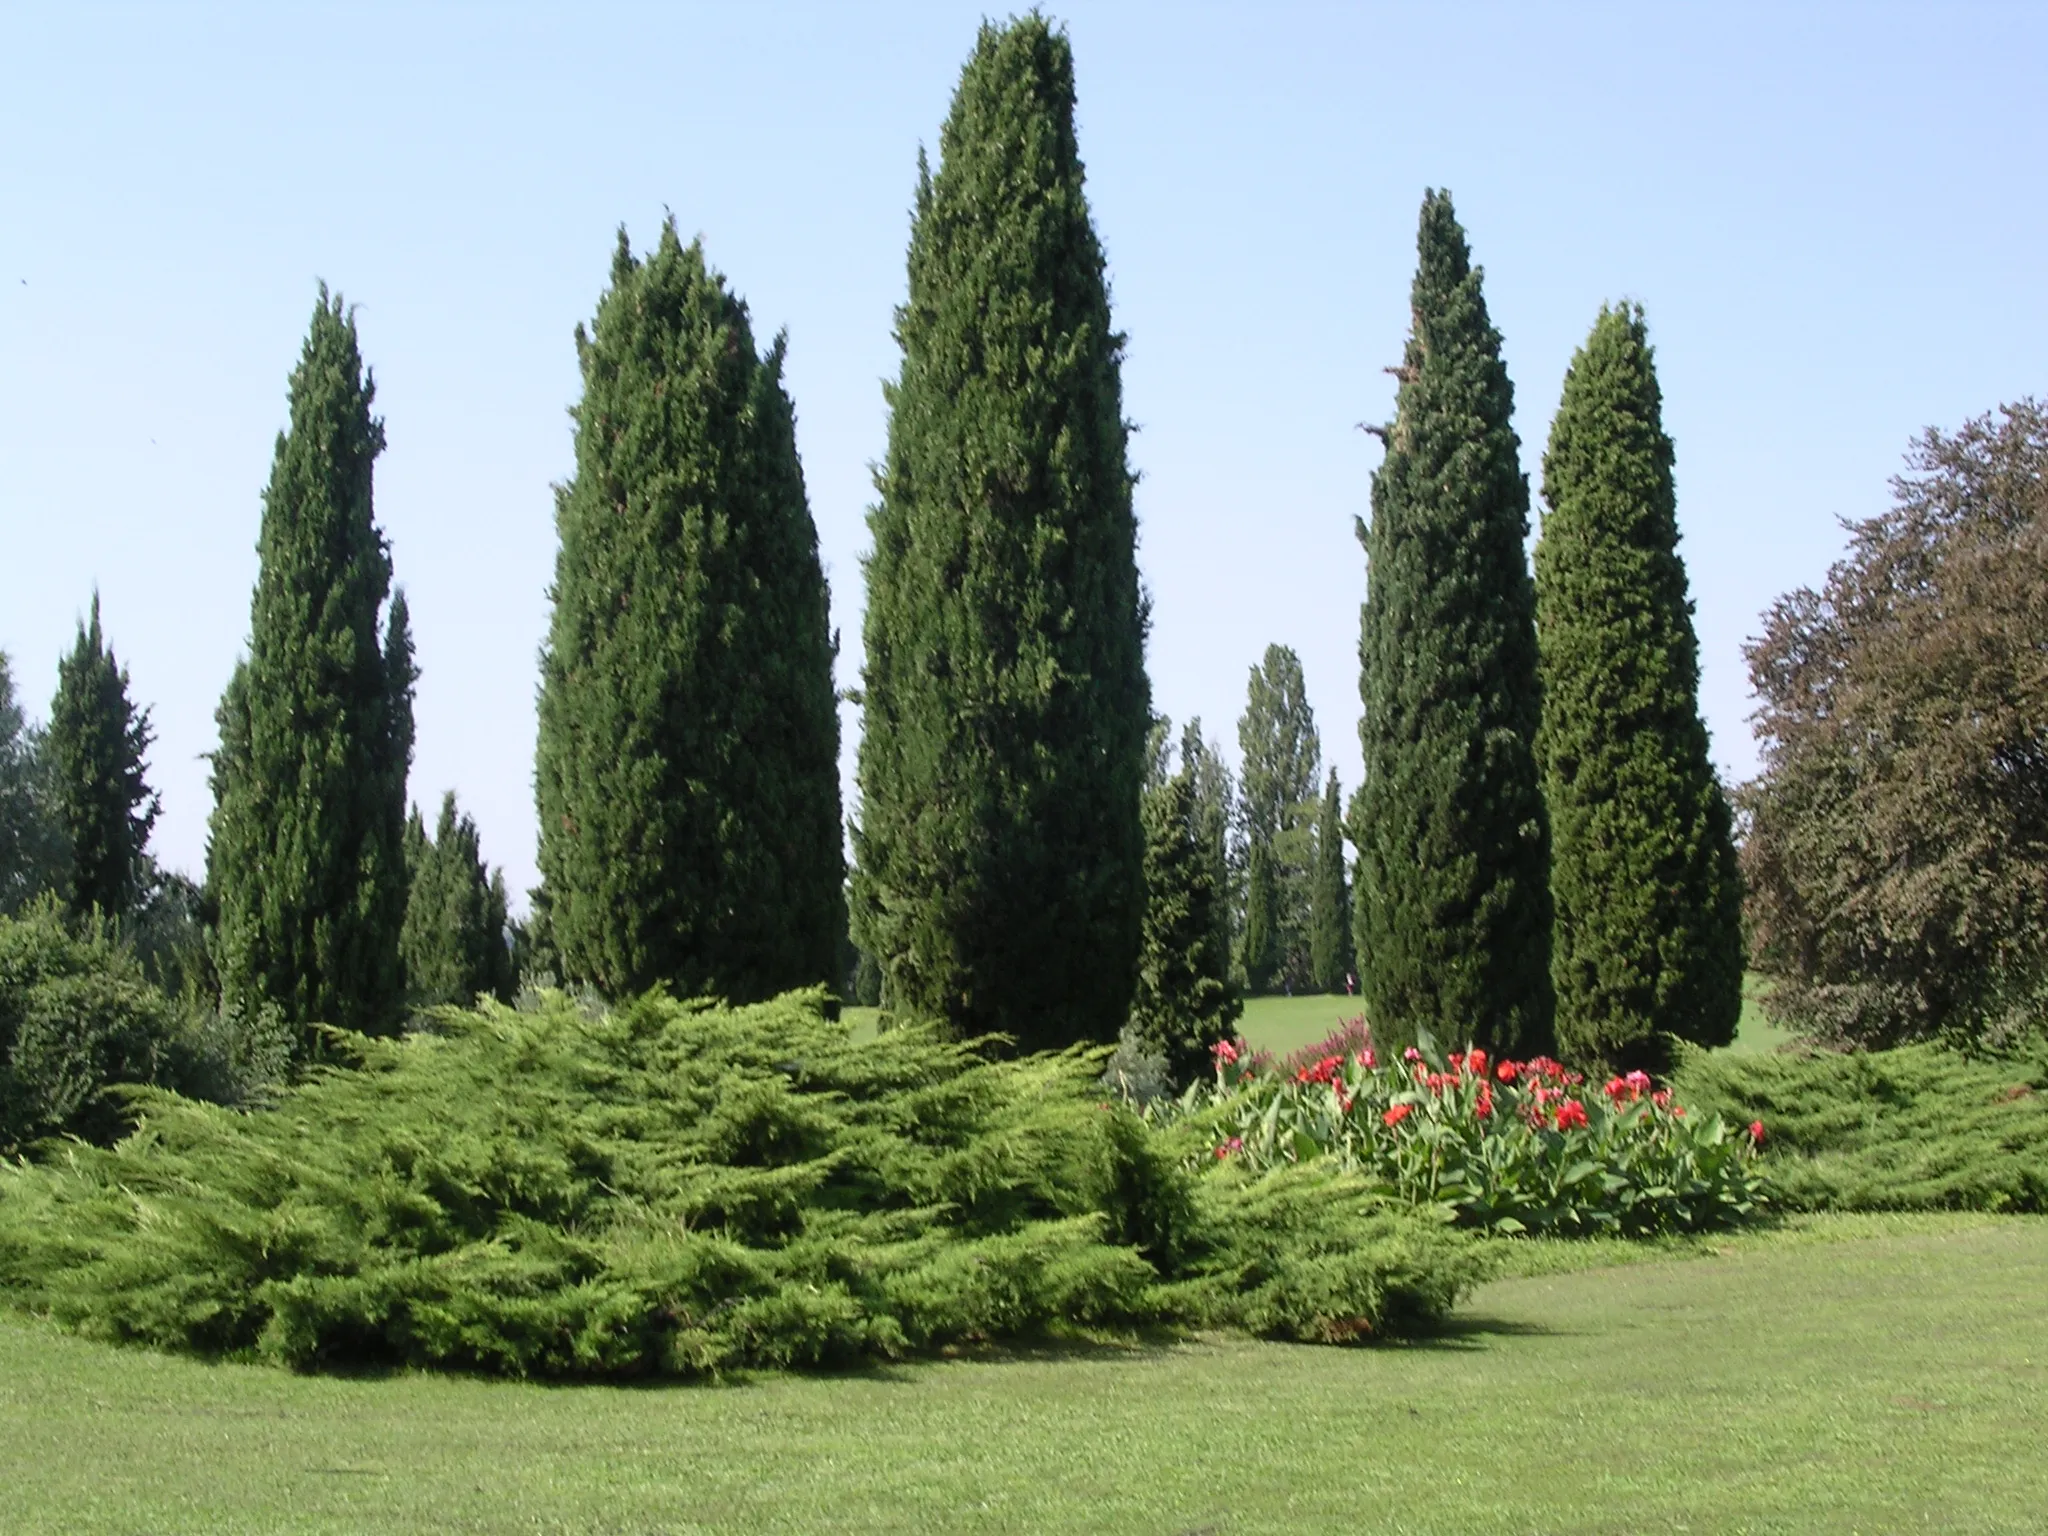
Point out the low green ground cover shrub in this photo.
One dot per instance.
(1921, 1127)
(1507, 1147)
(682, 1190)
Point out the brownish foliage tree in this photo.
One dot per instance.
(1897, 850)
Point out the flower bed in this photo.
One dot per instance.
(1507, 1146)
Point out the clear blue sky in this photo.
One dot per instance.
(1835, 216)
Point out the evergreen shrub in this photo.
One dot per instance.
(686, 1189)
(1921, 1127)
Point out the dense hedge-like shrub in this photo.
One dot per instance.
(1508, 1146)
(1917, 1128)
(683, 1189)
(76, 1014)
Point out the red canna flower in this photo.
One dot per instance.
(1507, 1071)
(1411, 1054)
(1475, 1063)
(1484, 1108)
(1224, 1052)
(1571, 1115)
(1756, 1133)
(1398, 1113)
(1367, 1060)
(1639, 1081)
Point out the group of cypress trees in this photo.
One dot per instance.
(1545, 857)
(1542, 847)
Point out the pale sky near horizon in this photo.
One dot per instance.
(1833, 214)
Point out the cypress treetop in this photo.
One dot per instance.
(305, 853)
(999, 854)
(1649, 923)
(97, 743)
(1330, 898)
(454, 939)
(1452, 902)
(687, 768)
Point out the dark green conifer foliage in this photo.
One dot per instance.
(454, 942)
(1215, 798)
(1648, 937)
(1261, 954)
(305, 853)
(1330, 899)
(97, 742)
(1184, 1002)
(1452, 906)
(999, 852)
(1281, 756)
(687, 773)
(34, 857)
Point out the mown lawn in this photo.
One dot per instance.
(1845, 1374)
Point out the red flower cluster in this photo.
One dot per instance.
(1756, 1132)
(1626, 1090)
(1224, 1052)
(1571, 1115)
(1399, 1112)
(1324, 1071)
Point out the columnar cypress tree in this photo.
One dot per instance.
(1184, 1002)
(1260, 958)
(1649, 903)
(1452, 915)
(454, 940)
(97, 741)
(1215, 799)
(1330, 898)
(306, 848)
(999, 854)
(687, 773)
(34, 858)
(1281, 757)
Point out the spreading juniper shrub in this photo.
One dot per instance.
(680, 1189)
(1921, 1127)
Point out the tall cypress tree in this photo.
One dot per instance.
(1452, 908)
(999, 854)
(1648, 938)
(454, 939)
(1329, 898)
(34, 857)
(1281, 756)
(687, 773)
(1260, 955)
(305, 853)
(97, 741)
(1184, 1002)
(1215, 799)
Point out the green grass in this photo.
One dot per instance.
(1755, 1033)
(1842, 1374)
(1284, 1024)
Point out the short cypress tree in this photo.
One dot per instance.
(1260, 956)
(999, 854)
(1648, 938)
(305, 853)
(687, 772)
(1330, 898)
(1184, 1002)
(1452, 906)
(97, 743)
(454, 940)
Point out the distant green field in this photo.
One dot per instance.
(1843, 1374)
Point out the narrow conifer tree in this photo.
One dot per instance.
(1330, 898)
(999, 853)
(305, 853)
(687, 773)
(1184, 1002)
(1260, 960)
(1215, 801)
(1648, 939)
(454, 942)
(1281, 757)
(34, 857)
(1452, 905)
(97, 743)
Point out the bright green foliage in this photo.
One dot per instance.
(687, 771)
(1648, 935)
(999, 856)
(76, 1014)
(1917, 1128)
(33, 855)
(1185, 1002)
(681, 1190)
(306, 850)
(454, 942)
(1281, 756)
(97, 741)
(1452, 899)
(1329, 925)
